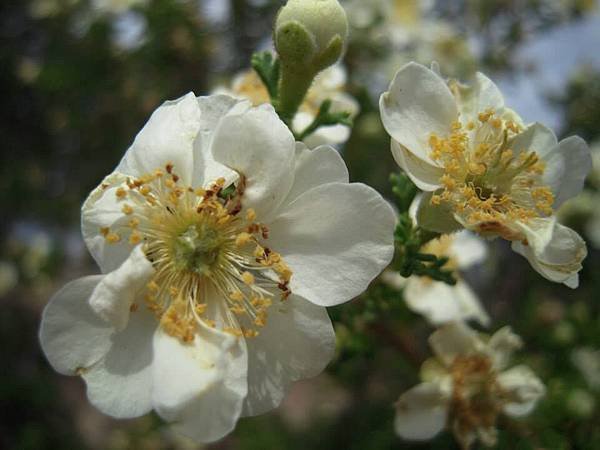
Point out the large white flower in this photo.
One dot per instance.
(484, 170)
(466, 386)
(328, 85)
(221, 241)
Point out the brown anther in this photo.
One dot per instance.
(248, 278)
(169, 168)
(121, 193)
(135, 238)
(113, 238)
(264, 232)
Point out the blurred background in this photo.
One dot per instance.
(79, 79)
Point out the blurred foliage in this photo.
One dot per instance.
(580, 102)
(77, 87)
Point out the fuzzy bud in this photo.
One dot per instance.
(311, 34)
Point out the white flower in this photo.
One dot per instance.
(439, 302)
(466, 386)
(587, 361)
(221, 241)
(328, 85)
(403, 31)
(484, 170)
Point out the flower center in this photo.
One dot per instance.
(210, 265)
(485, 183)
(197, 248)
(476, 402)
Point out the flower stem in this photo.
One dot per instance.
(293, 86)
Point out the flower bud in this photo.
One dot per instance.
(310, 34)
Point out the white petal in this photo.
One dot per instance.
(329, 135)
(538, 232)
(258, 145)
(567, 166)
(421, 412)
(452, 340)
(120, 384)
(554, 251)
(343, 102)
(71, 335)
(332, 78)
(418, 104)
(168, 137)
(117, 291)
(200, 387)
(536, 138)
(524, 389)
(425, 175)
(587, 361)
(101, 209)
(468, 249)
(212, 110)
(502, 345)
(313, 168)
(441, 303)
(478, 97)
(298, 342)
(336, 238)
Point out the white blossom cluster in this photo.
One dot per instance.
(221, 240)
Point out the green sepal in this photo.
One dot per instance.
(295, 44)
(330, 55)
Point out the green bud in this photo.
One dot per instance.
(311, 34)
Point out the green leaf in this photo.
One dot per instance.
(410, 238)
(268, 69)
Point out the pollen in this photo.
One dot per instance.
(236, 296)
(242, 239)
(199, 246)
(113, 238)
(135, 238)
(248, 278)
(484, 182)
(121, 193)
